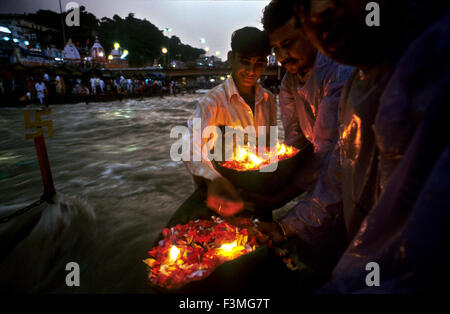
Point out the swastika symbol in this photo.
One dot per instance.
(37, 123)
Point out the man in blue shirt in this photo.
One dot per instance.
(384, 186)
(308, 101)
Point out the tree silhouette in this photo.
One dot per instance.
(141, 38)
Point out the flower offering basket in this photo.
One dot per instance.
(266, 182)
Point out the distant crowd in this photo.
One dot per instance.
(46, 89)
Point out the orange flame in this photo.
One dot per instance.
(351, 138)
(232, 250)
(173, 254)
(244, 159)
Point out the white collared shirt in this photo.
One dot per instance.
(223, 105)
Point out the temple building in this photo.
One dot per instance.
(70, 52)
(97, 52)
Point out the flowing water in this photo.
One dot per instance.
(117, 188)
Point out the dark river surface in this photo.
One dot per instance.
(117, 187)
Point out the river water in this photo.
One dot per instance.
(116, 184)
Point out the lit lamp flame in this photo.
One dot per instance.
(228, 246)
(231, 250)
(255, 159)
(243, 159)
(281, 149)
(241, 154)
(174, 253)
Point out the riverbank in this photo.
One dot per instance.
(76, 99)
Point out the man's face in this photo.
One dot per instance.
(247, 70)
(338, 29)
(292, 47)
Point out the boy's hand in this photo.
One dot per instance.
(223, 198)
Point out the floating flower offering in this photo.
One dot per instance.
(192, 251)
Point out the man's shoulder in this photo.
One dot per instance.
(214, 96)
(427, 50)
(421, 71)
(288, 81)
(325, 68)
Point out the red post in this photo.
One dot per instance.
(44, 165)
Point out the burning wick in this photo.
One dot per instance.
(228, 246)
(255, 159)
(174, 252)
(245, 159)
(231, 250)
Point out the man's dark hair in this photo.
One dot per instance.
(250, 42)
(277, 13)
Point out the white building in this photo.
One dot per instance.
(70, 52)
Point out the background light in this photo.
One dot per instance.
(5, 30)
(26, 42)
(164, 50)
(206, 49)
(116, 46)
(110, 57)
(6, 38)
(125, 53)
(15, 40)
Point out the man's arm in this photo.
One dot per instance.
(325, 127)
(221, 194)
(205, 113)
(332, 78)
(314, 219)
